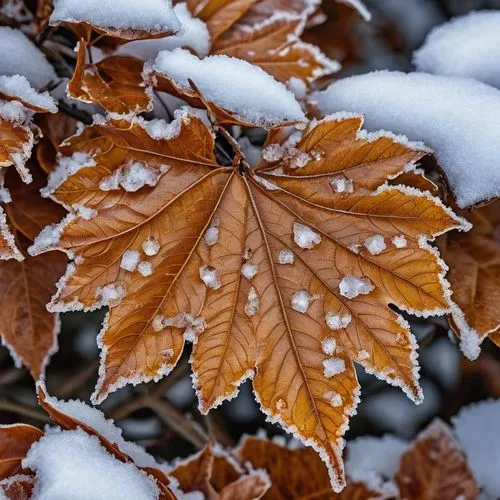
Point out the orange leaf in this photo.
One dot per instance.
(292, 265)
(296, 473)
(434, 467)
(18, 487)
(219, 476)
(115, 83)
(15, 441)
(474, 276)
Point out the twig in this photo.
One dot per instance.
(178, 422)
(26, 411)
(76, 381)
(78, 114)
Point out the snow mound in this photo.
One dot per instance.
(19, 86)
(19, 56)
(195, 36)
(72, 464)
(233, 84)
(149, 15)
(458, 117)
(467, 46)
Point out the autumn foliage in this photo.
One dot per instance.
(286, 262)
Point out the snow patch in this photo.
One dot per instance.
(110, 295)
(253, 302)
(212, 233)
(304, 236)
(19, 87)
(132, 176)
(145, 268)
(130, 259)
(352, 286)
(375, 244)
(151, 246)
(301, 301)
(210, 277)
(333, 366)
(329, 346)
(286, 256)
(248, 270)
(337, 321)
(399, 241)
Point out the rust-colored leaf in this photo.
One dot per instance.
(290, 265)
(218, 476)
(275, 46)
(474, 277)
(115, 83)
(297, 473)
(26, 285)
(15, 441)
(434, 467)
(17, 487)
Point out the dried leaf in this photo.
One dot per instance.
(18, 487)
(275, 46)
(15, 441)
(292, 265)
(26, 285)
(296, 473)
(474, 277)
(115, 83)
(218, 476)
(434, 467)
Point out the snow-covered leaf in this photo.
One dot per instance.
(202, 291)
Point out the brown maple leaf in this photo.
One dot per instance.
(217, 475)
(115, 83)
(434, 467)
(26, 284)
(281, 273)
(297, 473)
(474, 277)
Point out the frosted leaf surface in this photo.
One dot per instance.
(301, 301)
(304, 236)
(19, 56)
(19, 86)
(195, 36)
(439, 110)
(210, 277)
(478, 429)
(337, 321)
(253, 95)
(375, 244)
(148, 15)
(333, 366)
(73, 464)
(286, 256)
(130, 259)
(351, 286)
(467, 46)
(151, 246)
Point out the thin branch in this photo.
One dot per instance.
(78, 114)
(21, 409)
(73, 383)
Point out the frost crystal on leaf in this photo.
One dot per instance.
(375, 244)
(249, 270)
(145, 268)
(342, 184)
(111, 294)
(362, 355)
(304, 236)
(131, 177)
(151, 246)
(351, 286)
(301, 300)
(209, 276)
(212, 233)
(399, 241)
(337, 321)
(329, 345)
(333, 366)
(334, 398)
(157, 323)
(130, 259)
(252, 305)
(286, 256)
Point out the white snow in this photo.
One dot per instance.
(19, 86)
(374, 461)
(130, 259)
(286, 256)
(352, 286)
(329, 345)
(192, 325)
(333, 366)
(73, 464)
(157, 323)
(151, 246)
(478, 429)
(65, 167)
(363, 355)
(249, 270)
(253, 303)
(212, 233)
(467, 46)
(233, 84)
(110, 295)
(301, 301)
(14, 111)
(210, 277)
(149, 15)
(458, 117)
(334, 398)
(341, 184)
(337, 321)
(399, 241)
(194, 35)
(304, 236)
(375, 244)
(145, 268)
(131, 177)
(19, 56)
